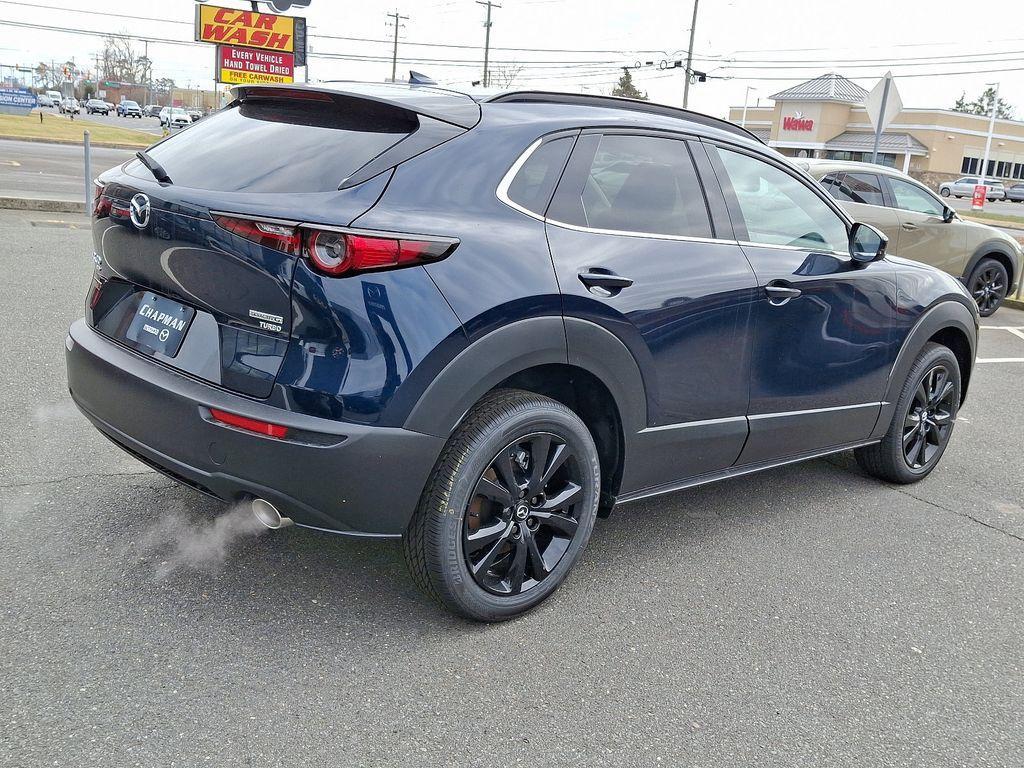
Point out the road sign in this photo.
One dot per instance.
(253, 66)
(16, 101)
(883, 104)
(978, 200)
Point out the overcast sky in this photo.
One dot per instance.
(746, 41)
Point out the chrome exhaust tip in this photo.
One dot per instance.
(268, 515)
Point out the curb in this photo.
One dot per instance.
(78, 142)
(37, 204)
(1014, 303)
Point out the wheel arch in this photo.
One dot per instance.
(993, 249)
(950, 323)
(573, 361)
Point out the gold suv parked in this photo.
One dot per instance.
(921, 227)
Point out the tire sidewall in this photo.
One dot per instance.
(931, 356)
(458, 581)
(982, 265)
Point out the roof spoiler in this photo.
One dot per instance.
(618, 102)
(447, 106)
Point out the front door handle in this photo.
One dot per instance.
(909, 226)
(610, 282)
(780, 293)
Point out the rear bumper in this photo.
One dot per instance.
(355, 479)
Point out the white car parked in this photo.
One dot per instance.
(174, 117)
(964, 187)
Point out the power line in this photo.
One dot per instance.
(325, 36)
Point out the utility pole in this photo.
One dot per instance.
(487, 36)
(397, 23)
(689, 57)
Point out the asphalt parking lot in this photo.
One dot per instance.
(806, 616)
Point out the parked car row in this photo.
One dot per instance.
(923, 228)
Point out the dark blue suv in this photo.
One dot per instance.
(479, 324)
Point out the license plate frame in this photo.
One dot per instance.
(159, 324)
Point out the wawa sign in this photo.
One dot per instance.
(251, 29)
(797, 123)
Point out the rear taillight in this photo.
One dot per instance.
(339, 253)
(100, 202)
(283, 237)
(249, 425)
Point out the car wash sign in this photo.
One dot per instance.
(253, 66)
(251, 29)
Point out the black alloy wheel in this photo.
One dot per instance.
(521, 518)
(929, 421)
(988, 285)
(508, 509)
(922, 422)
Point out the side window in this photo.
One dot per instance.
(864, 188)
(535, 181)
(910, 197)
(780, 210)
(642, 184)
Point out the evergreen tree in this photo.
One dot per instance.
(626, 88)
(983, 105)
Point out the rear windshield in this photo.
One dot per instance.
(280, 146)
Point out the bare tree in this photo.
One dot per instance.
(504, 75)
(47, 77)
(120, 62)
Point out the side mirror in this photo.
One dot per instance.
(948, 214)
(867, 244)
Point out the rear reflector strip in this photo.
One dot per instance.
(249, 425)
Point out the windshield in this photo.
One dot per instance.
(131, 104)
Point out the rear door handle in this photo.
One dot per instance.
(607, 280)
(909, 226)
(780, 293)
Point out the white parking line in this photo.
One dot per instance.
(1000, 360)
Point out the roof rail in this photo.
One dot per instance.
(618, 102)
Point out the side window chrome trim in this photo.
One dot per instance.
(506, 182)
(507, 179)
(632, 233)
(804, 248)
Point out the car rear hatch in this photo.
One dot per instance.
(194, 270)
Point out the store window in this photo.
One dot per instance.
(970, 165)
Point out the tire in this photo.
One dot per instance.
(900, 457)
(959, 197)
(988, 284)
(944, 191)
(467, 514)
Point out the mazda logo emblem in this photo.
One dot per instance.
(138, 210)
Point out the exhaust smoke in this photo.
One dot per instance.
(182, 541)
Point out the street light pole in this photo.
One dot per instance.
(746, 98)
(689, 57)
(991, 129)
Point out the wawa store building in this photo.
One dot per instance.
(825, 118)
